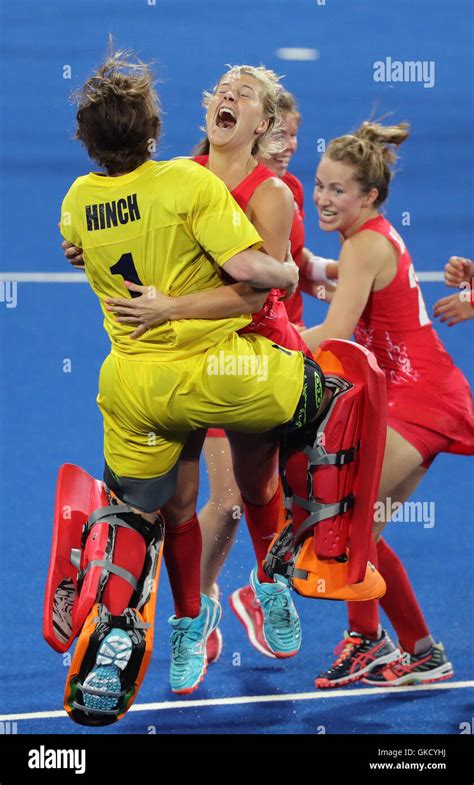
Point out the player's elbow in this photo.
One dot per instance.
(341, 331)
(241, 267)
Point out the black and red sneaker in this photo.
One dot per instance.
(433, 665)
(356, 657)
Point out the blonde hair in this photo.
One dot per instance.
(370, 151)
(269, 141)
(118, 112)
(287, 104)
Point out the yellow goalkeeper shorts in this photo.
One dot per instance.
(244, 383)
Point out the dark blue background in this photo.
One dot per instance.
(49, 417)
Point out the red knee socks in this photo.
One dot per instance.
(262, 522)
(399, 603)
(364, 616)
(182, 554)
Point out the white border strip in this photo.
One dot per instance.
(78, 277)
(246, 699)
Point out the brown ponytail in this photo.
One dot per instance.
(369, 150)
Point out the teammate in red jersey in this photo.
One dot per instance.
(278, 163)
(429, 402)
(221, 515)
(259, 194)
(458, 273)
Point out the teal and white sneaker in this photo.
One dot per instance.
(270, 619)
(188, 644)
(102, 688)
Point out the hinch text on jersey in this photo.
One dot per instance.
(108, 214)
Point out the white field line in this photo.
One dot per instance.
(246, 699)
(297, 53)
(78, 277)
(431, 277)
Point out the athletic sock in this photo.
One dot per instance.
(400, 604)
(262, 522)
(182, 554)
(364, 616)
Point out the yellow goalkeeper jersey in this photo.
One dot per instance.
(170, 224)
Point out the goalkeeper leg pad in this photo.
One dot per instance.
(103, 576)
(330, 475)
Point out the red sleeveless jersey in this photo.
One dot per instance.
(294, 306)
(272, 320)
(424, 386)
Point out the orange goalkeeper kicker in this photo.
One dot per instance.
(328, 578)
(321, 579)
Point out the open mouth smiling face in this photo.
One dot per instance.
(235, 111)
(226, 118)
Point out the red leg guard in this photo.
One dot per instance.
(331, 476)
(103, 577)
(103, 564)
(77, 495)
(129, 554)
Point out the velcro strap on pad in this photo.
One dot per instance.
(320, 512)
(319, 457)
(112, 568)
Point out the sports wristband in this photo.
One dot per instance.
(316, 267)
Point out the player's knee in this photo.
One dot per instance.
(182, 506)
(178, 511)
(260, 493)
(228, 508)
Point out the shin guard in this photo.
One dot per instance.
(330, 474)
(103, 575)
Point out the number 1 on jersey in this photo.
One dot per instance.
(126, 268)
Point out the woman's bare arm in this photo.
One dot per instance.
(359, 264)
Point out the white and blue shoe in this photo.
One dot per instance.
(102, 687)
(269, 616)
(188, 646)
